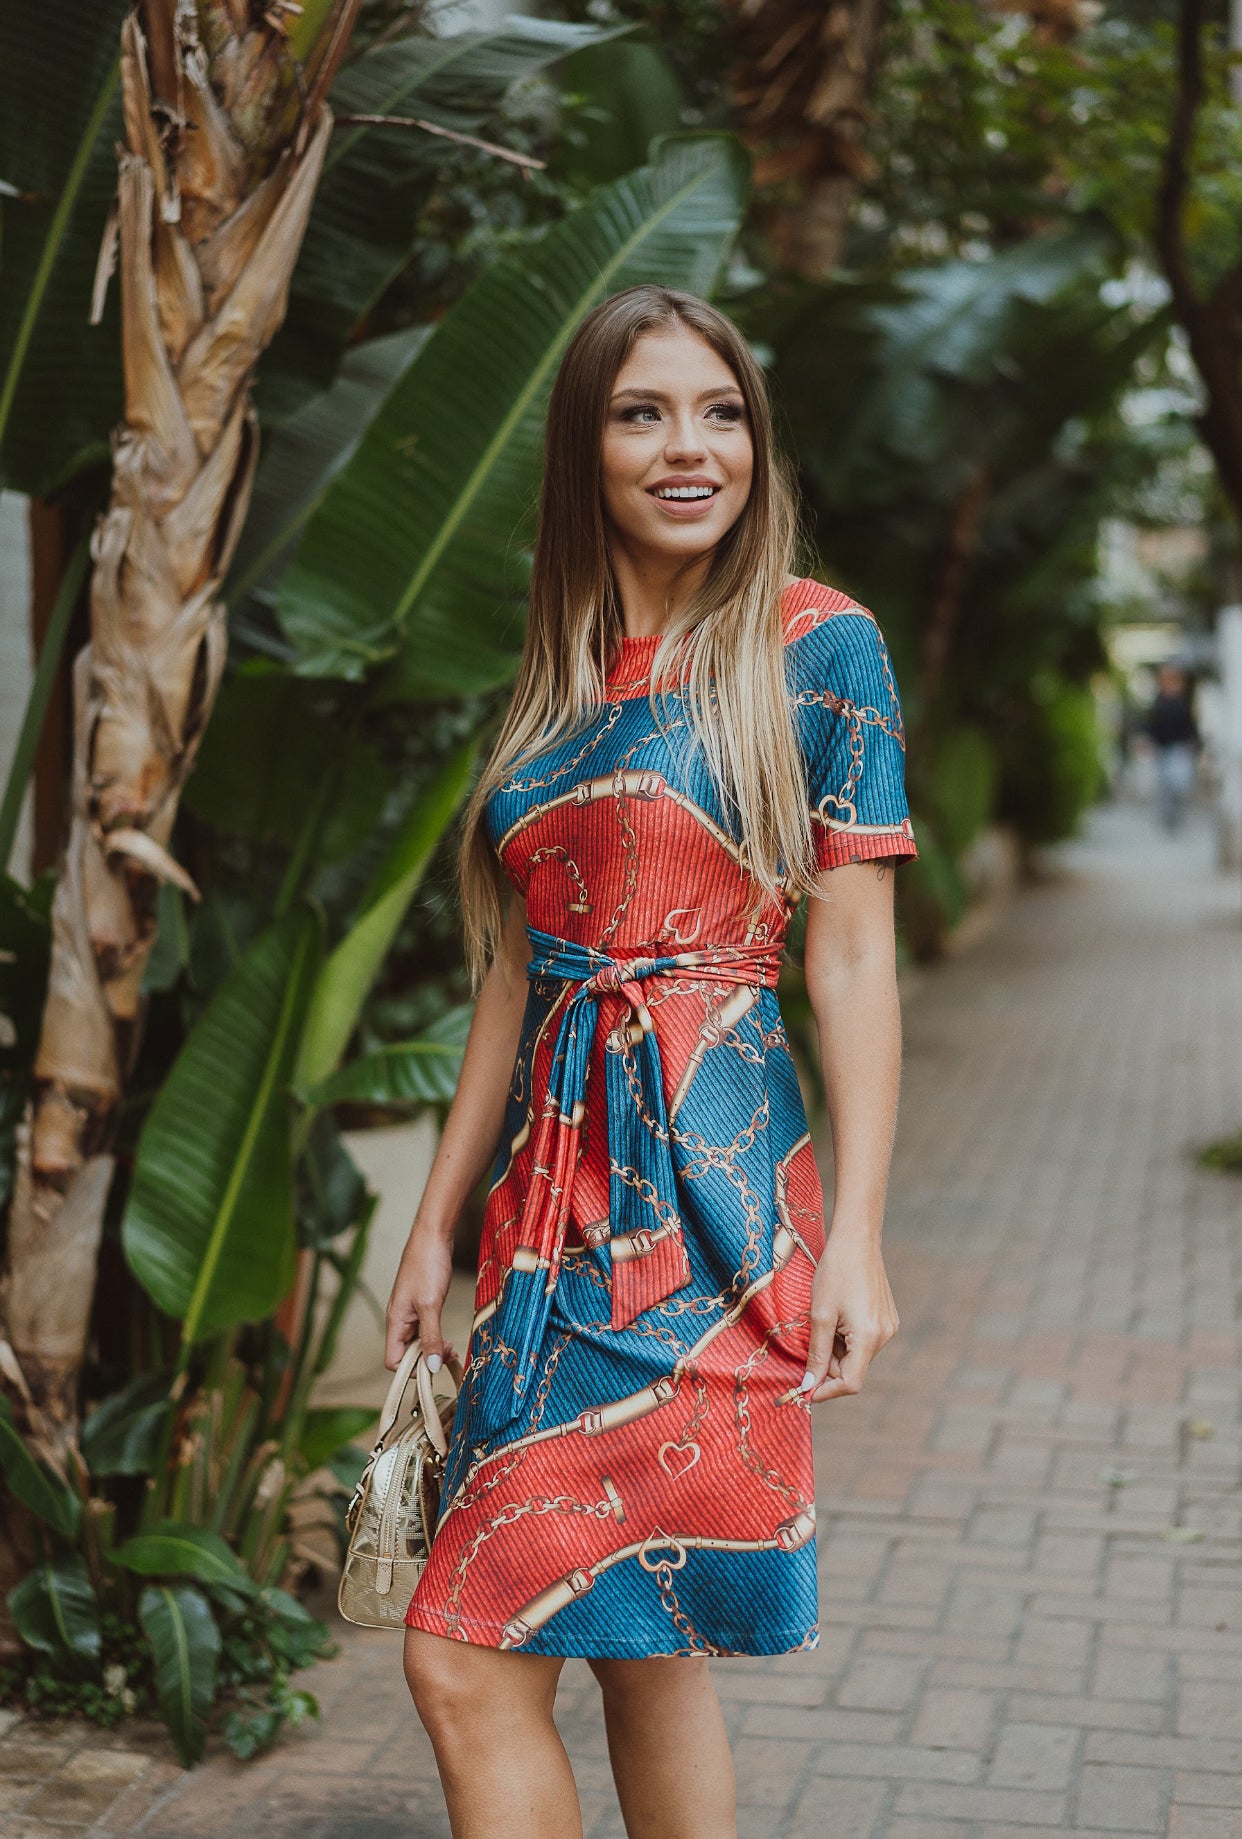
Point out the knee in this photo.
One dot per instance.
(435, 1675)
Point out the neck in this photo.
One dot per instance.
(653, 589)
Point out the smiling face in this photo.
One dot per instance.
(677, 456)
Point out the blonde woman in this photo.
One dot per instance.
(696, 739)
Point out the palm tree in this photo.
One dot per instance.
(800, 88)
(226, 126)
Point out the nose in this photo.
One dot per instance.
(685, 436)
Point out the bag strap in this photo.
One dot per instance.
(413, 1365)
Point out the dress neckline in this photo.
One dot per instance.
(631, 669)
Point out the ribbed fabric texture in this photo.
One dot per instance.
(630, 1466)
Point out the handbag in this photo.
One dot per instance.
(391, 1518)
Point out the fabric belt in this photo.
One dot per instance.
(643, 1230)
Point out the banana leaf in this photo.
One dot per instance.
(303, 455)
(347, 977)
(328, 1431)
(55, 1612)
(177, 1621)
(60, 118)
(209, 1226)
(377, 181)
(412, 548)
(44, 1493)
(269, 755)
(175, 1549)
(331, 1193)
(956, 324)
(627, 94)
(121, 1435)
(423, 1071)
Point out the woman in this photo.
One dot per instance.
(695, 738)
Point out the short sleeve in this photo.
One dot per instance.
(848, 717)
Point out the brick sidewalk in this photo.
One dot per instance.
(1030, 1517)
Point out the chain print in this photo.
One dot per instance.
(754, 1462)
(695, 1644)
(654, 1426)
(517, 1510)
(597, 740)
(545, 1384)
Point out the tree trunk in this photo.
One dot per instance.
(800, 88)
(224, 142)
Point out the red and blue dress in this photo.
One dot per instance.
(629, 1471)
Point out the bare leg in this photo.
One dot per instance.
(488, 1713)
(669, 1751)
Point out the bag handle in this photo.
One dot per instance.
(414, 1365)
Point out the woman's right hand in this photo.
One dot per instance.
(418, 1294)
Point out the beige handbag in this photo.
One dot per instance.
(392, 1516)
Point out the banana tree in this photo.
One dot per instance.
(226, 129)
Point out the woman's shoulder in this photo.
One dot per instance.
(822, 621)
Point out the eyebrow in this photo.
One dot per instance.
(725, 389)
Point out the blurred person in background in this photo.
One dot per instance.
(1170, 729)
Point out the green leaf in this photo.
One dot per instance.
(44, 1493)
(60, 119)
(209, 1227)
(332, 1195)
(54, 1610)
(173, 1548)
(423, 1071)
(268, 753)
(185, 1641)
(377, 180)
(957, 321)
(628, 95)
(304, 454)
(413, 544)
(121, 1435)
(347, 1466)
(351, 970)
(326, 1432)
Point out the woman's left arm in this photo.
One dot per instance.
(851, 977)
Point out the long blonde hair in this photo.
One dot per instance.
(728, 637)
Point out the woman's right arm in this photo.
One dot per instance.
(466, 1148)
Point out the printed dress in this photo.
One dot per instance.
(629, 1471)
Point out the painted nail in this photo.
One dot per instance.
(434, 1363)
(807, 1383)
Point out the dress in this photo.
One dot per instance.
(629, 1471)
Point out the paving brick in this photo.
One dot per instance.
(958, 1720)
(846, 1809)
(954, 1803)
(1124, 1800)
(1200, 1788)
(1034, 1756)
(1202, 1823)
(881, 1683)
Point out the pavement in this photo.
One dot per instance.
(1031, 1516)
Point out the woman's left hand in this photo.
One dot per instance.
(853, 1315)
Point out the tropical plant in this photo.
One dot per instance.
(242, 1223)
(959, 441)
(223, 150)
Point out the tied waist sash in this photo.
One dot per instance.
(643, 1229)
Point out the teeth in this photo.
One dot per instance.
(685, 491)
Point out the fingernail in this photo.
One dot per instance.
(434, 1363)
(807, 1383)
